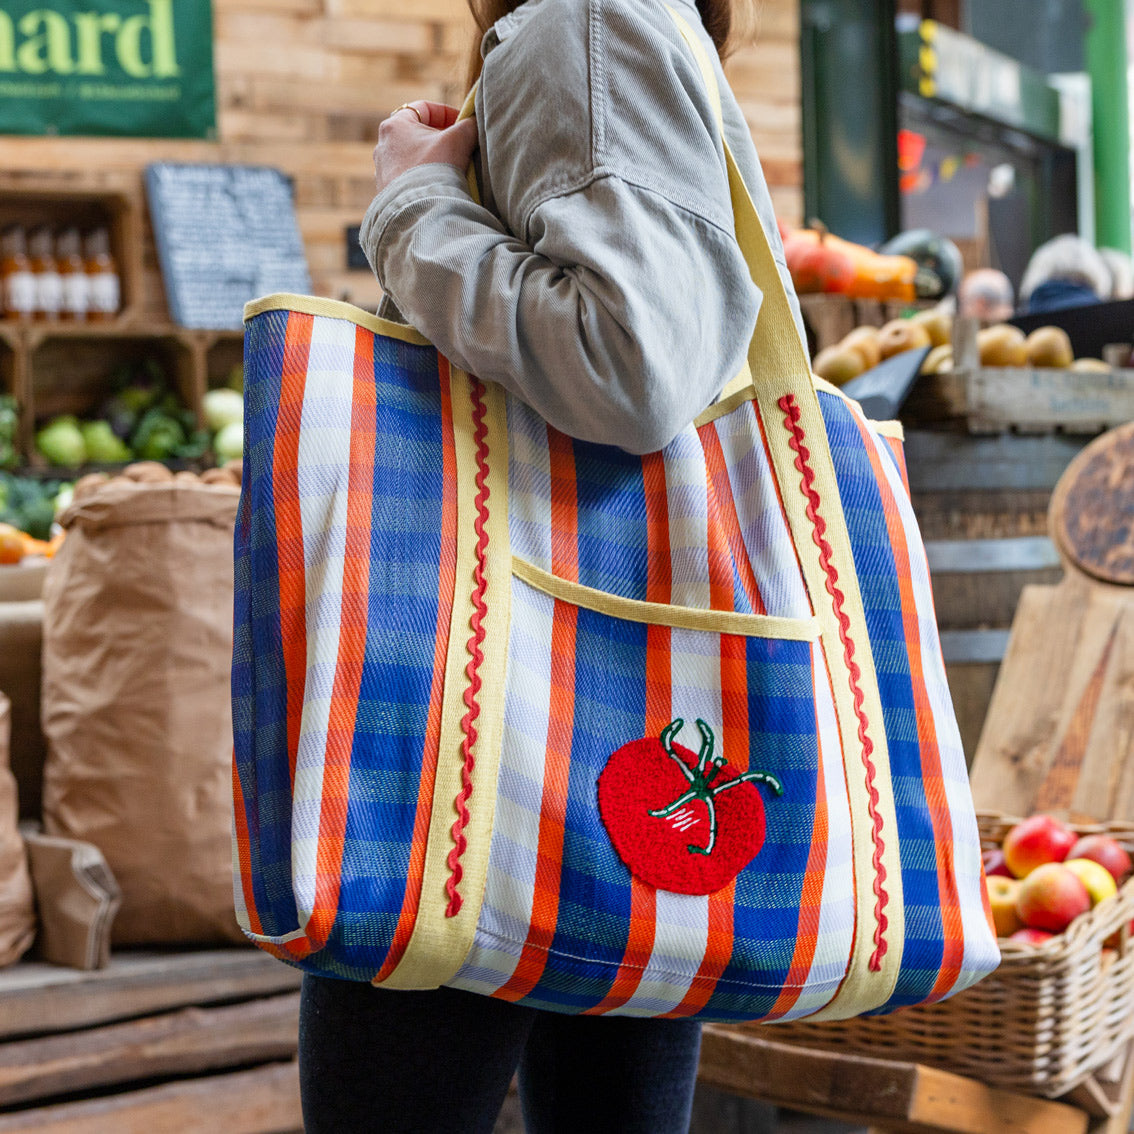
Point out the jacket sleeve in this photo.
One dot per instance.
(619, 322)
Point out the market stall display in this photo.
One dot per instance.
(136, 701)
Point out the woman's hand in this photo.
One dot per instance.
(420, 133)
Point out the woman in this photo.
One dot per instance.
(600, 281)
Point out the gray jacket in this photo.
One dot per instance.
(600, 281)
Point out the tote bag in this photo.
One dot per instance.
(592, 732)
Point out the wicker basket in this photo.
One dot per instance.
(1041, 1023)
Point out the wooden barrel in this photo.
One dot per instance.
(981, 503)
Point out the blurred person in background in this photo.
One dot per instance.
(1121, 273)
(1065, 272)
(986, 294)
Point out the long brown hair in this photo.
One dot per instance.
(729, 23)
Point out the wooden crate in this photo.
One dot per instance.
(993, 400)
(165, 1041)
(58, 368)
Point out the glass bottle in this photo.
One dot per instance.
(17, 282)
(48, 284)
(102, 276)
(73, 274)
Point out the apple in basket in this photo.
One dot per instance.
(1098, 880)
(1030, 936)
(1051, 897)
(1002, 894)
(1036, 840)
(994, 864)
(1106, 852)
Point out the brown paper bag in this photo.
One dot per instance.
(21, 643)
(17, 911)
(136, 701)
(76, 897)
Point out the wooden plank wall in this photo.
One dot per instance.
(303, 84)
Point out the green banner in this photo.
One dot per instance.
(138, 68)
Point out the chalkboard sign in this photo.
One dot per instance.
(225, 234)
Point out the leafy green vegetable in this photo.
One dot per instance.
(228, 444)
(28, 504)
(222, 407)
(61, 442)
(158, 436)
(102, 445)
(9, 427)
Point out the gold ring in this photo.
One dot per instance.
(412, 109)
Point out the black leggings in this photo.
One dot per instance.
(375, 1061)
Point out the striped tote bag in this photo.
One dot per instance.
(591, 732)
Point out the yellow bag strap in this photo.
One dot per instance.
(776, 353)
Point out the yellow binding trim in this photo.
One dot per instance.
(333, 309)
(780, 368)
(439, 944)
(891, 429)
(665, 614)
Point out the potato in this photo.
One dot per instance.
(147, 472)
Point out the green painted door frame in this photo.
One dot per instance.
(1107, 65)
(849, 59)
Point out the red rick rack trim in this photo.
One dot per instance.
(472, 670)
(792, 414)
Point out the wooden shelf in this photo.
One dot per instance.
(58, 202)
(41, 362)
(40, 365)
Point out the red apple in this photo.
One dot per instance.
(1031, 936)
(1002, 894)
(1036, 840)
(1052, 897)
(994, 864)
(1106, 852)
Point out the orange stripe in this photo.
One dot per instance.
(447, 579)
(289, 524)
(561, 717)
(935, 795)
(659, 708)
(811, 896)
(723, 517)
(289, 550)
(899, 451)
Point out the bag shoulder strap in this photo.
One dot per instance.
(784, 392)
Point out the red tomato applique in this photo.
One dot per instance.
(682, 821)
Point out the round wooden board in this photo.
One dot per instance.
(1092, 508)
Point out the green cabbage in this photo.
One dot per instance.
(228, 444)
(61, 442)
(222, 407)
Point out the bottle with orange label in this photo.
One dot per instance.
(17, 281)
(105, 294)
(73, 274)
(48, 282)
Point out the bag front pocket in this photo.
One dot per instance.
(672, 830)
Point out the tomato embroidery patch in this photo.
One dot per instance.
(682, 821)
